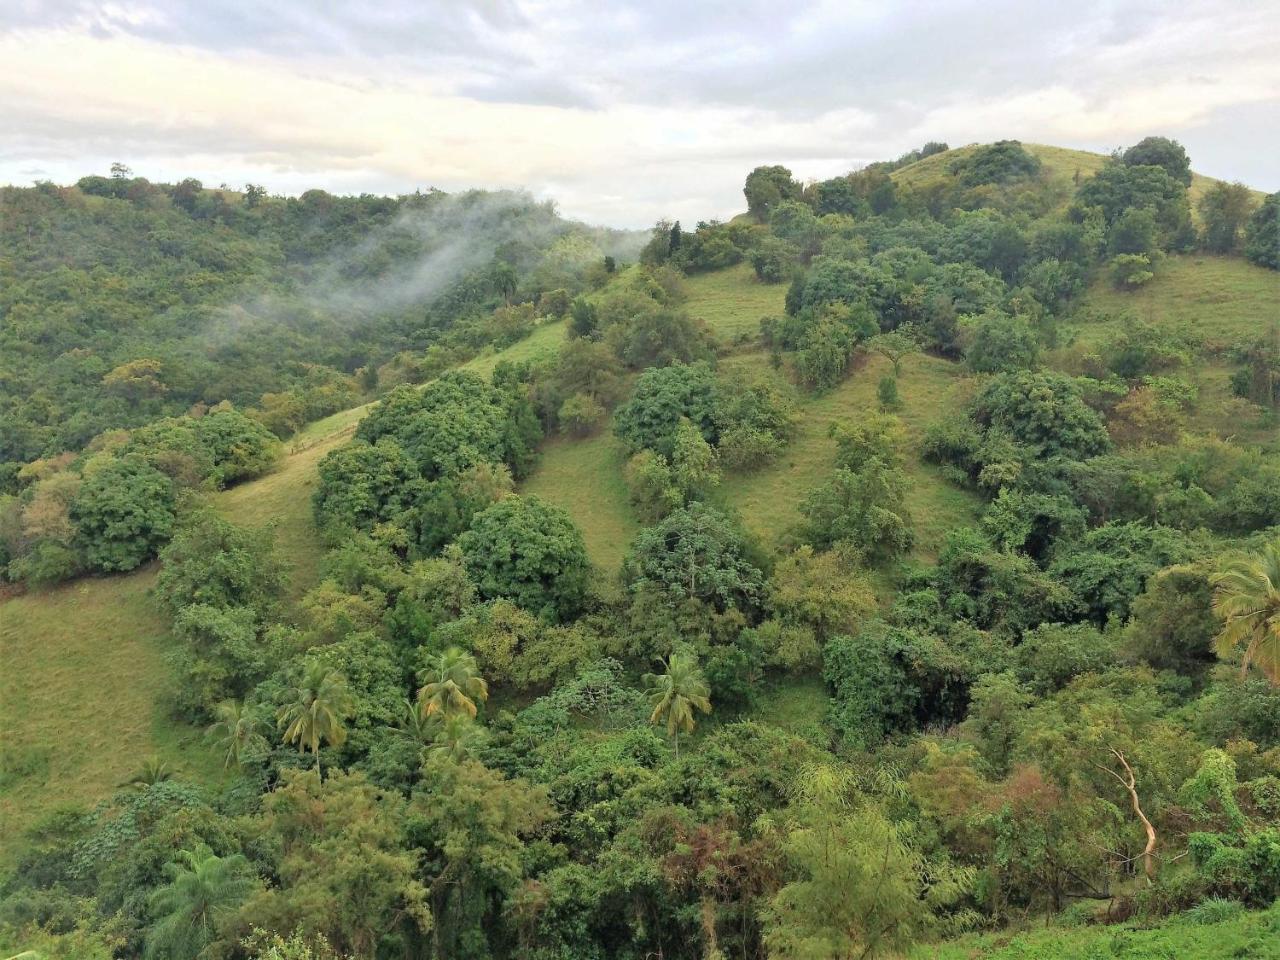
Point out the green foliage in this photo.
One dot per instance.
(1162, 152)
(528, 551)
(695, 553)
(663, 398)
(1002, 343)
(1224, 209)
(1262, 235)
(768, 186)
(203, 888)
(212, 561)
(998, 162)
(124, 513)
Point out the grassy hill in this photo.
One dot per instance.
(95, 648)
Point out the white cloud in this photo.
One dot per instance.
(623, 112)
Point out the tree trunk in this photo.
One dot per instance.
(1129, 782)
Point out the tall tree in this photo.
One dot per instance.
(314, 709)
(676, 693)
(202, 887)
(1246, 596)
(451, 685)
(237, 731)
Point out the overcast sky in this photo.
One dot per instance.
(621, 112)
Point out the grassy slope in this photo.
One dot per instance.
(80, 697)
(1222, 300)
(1254, 935)
(1059, 165)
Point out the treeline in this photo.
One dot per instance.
(124, 301)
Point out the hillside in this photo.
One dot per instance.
(922, 499)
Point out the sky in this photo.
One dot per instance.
(622, 113)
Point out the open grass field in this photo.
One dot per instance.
(81, 698)
(1218, 300)
(1222, 299)
(585, 478)
(732, 302)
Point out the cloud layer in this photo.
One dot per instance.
(621, 112)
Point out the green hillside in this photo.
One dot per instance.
(931, 482)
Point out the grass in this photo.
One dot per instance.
(768, 499)
(732, 302)
(81, 698)
(1222, 299)
(1253, 935)
(585, 478)
(1219, 300)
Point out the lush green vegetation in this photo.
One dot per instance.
(891, 571)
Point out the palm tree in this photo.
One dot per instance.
(457, 737)
(238, 731)
(202, 887)
(676, 692)
(451, 685)
(414, 726)
(153, 771)
(314, 709)
(1246, 596)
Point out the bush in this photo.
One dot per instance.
(124, 512)
(528, 551)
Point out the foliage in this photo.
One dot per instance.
(530, 552)
(124, 512)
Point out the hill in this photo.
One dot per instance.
(920, 494)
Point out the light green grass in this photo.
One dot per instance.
(732, 302)
(81, 697)
(1222, 299)
(585, 477)
(1219, 300)
(1252, 935)
(768, 499)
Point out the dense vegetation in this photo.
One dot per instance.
(464, 740)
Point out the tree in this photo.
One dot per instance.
(1246, 597)
(124, 512)
(1262, 235)
(862, 889)
(529, 551)
(863, 508)
(1225, 209)
(663, 398)
(895, 345)
(451, 685)
(203, 888)
(767, 186)
(1002, 342)
(314, 709)
(676, 693)
(696, 553)
(238, 732)
(456, 739)
(1160, 152)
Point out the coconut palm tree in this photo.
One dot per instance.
(675, 694)
(457, 737)
(202, 887)
(238, 731)
(1246, 596)
(314, 708)
(451, 685)
(414, 726)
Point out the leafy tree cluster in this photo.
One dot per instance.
(112, 509)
